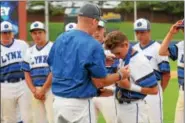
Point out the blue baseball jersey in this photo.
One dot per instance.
(177, 53)
(35, 62)
(160, 64)
(74, 58)
(11, 60)
(141, 73)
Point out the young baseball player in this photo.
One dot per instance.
(176, 52)
(38, 75)
(14, 91)
(105, 104)
(131, 106)
(77, 63)
(160, 64)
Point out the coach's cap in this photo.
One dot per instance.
(70, 26)
(37, 25)
(90, 10)
(6, 27)
(101, 23)
(142, 25)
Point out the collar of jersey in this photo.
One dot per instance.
(40, 48)
(151, 42)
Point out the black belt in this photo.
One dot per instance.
(125, 100)
(15, 80)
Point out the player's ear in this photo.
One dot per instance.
(95, 22)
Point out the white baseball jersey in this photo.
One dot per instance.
(159, 63)
(131, 107)
(141, 73)
(177, 53)
(13, 87)
(11, 59)
(35, 62)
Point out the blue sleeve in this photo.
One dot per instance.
(25, 66)
(164, 66)
(96, 63)
(173, 50)
(149, 80)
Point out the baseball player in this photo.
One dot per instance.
(176, 52)
(38, 75)
(160, 64)
(131, 106)
(70, 26)
(14, 91)
(77, 63)
(105, 104)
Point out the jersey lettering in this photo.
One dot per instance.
(11, 56)
(41, 59)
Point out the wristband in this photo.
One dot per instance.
(136, 88)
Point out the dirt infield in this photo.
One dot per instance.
(173, 74)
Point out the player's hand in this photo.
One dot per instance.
(125, 83)
(106, 92)
(125, 71)
(174, 28)
(40, 94)
(109, 59)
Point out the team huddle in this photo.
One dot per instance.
(87, 71)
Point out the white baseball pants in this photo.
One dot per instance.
(72, 110)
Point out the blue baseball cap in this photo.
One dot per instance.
(142, 25)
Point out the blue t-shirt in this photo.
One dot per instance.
(74, 58)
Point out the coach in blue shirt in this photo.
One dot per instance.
(77, 62)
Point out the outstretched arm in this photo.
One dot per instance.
(163, 51)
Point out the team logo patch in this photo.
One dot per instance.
(139, 24)
(36, 25)
(6, 26)
(70, 26)
(149, 57)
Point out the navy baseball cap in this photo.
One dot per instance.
(142, 25)
(90, 10)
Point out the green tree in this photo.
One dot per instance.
(170, 7)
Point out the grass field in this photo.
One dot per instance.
(159, 30)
